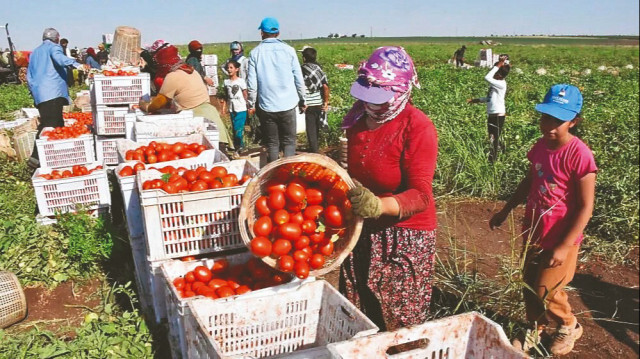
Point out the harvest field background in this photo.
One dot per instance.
(91, 259)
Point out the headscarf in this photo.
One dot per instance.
(195, 46)
(389, 68)
(91, 52)
(240, 54)
(168, 60)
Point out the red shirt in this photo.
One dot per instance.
(398, 159)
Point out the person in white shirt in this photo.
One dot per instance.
(236, 100)
(496, 111)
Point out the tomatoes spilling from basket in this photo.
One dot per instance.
(119, 73)
(162, 152)
(223, 280)
(303, 210)
(180, 180)
(82, 118)
(75, 171)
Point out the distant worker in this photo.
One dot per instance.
(194, 58)
(237, 54)
(46, 77)
(64, 43)
(496, 110)
(103, 54)
(92, 59)
(316, 96)
(459, 56)
(275, 87)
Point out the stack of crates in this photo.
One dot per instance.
(210, 65)
(110, 100)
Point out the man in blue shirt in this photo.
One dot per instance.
(47, 80)
(275, 87)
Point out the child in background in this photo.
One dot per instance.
(559, 189)
(496, 110)
(236, 96)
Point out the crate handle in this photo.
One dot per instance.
(347, 312)
(413, 346)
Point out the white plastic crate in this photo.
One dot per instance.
(65, 153)
(106, 150)
(193, 223)
(137, 115)
(139, 254)
(146, 131)
(30, 112)
(156, 287)
(177, 308)
(129, 189)
(119, 90)
(297, 324)
(65, 194)
(109, 120)
(468, 335)
(125, 145)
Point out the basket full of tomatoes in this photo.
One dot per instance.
(64, 189)
(195, 212)
(295, 215)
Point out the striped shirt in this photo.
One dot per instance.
(314, 78)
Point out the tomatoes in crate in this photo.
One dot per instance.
(162, 152)
(223, 280)
(178, 180)
(76, 171)
(302, 210)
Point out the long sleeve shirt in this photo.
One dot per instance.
(274, 78)
(398, 159)
(495, 97)
(47, 72)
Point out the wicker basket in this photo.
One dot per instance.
(247, 215)
(126, 45)
(13, 304)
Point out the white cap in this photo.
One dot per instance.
(51, 34)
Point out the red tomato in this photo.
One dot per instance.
(313, 212)
(333, 216)
(308, 226)
(316, 261)
(281, 247)
(280, 216)
(126, 171)
(336, 196)
(197, 285)
(242, 290)
(302, 242)
(326, 249)
(178, 147)
(290, 231)
(262, 227)
(317, 237)
(229, 180)
(314, 196)
(262, 207)
(295, 193)
(198, 186)
(244, 179)
(216, 283)
(296, 218)
(170, 188)
(301, 269)
(188, 294)
(190, 277)
(202, 273)
(219, 266)
(285, 263)
(261, 246)
(219, 171)
(187, 154)
(190, 175)
(178, 283)
(274, 185)
(225, 291)
(137, 167)
(308, 250)
(276, 200)
(300, 256)
(206, 176)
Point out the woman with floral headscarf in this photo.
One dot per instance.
(180, 84)
(392, 151)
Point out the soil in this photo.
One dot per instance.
(64, 306)
(605, 297)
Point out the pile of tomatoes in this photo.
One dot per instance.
(82, 118)
(119, 72)
(303, 210)
(222, 280)
(179, 180)
(77, 129)
(75, 171)
(162, 152)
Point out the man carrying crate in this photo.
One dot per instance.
(47, 79)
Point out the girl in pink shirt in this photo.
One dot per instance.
(559, 189)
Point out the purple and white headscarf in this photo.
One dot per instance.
(388, 75)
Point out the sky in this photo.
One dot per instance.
(84, 22)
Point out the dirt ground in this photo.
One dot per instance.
(605, 297)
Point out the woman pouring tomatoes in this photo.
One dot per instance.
(392, 151)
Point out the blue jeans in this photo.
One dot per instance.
(278, 130)
(238, 119)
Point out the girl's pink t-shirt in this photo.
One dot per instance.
(554, 190)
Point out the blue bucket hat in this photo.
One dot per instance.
(270, 25)
(562, 101)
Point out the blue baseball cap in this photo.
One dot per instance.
(562, 101)
(270, 25)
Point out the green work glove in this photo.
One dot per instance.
(364, 203)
